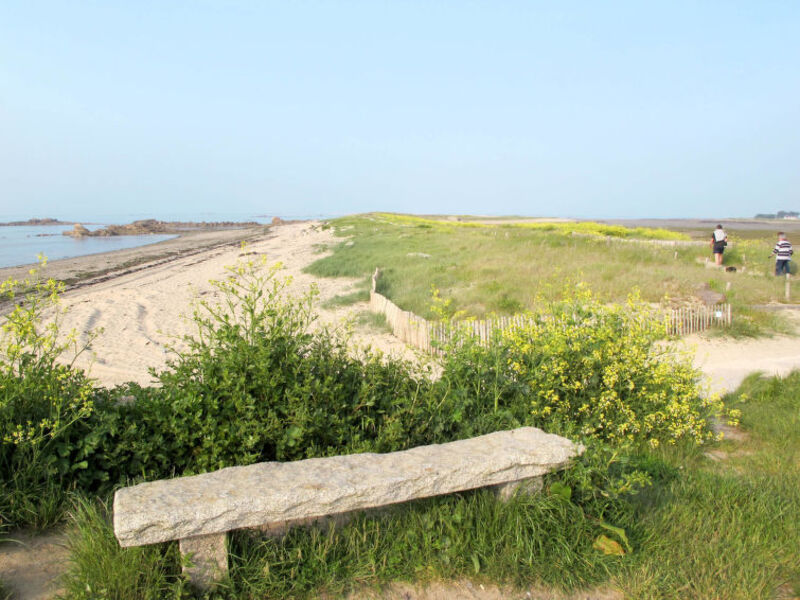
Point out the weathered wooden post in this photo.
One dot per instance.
(788, 287)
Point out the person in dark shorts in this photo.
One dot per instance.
(719, 239)
(783, 254)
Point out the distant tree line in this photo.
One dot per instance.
(782, 214)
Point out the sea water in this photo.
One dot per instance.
(21, 244)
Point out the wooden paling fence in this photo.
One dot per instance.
(683, 321)
(429, 336)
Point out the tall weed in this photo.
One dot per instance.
(43, 401)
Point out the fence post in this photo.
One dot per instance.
(788, 288)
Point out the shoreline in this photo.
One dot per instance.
(88, 269)
(142, 299)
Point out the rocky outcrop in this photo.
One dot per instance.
(78, 231)
(152, 226)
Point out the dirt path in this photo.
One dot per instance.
(30, 566)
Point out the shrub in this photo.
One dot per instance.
(42, 401)
(255, 383)
(587, 369)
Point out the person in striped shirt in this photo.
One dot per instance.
(783, 253)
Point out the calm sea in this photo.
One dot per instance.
(19, 245)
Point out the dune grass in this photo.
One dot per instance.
(506, 269)
(346, 299)
(375, 321)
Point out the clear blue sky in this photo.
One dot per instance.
(585, 109)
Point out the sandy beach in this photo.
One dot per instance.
(139, 299)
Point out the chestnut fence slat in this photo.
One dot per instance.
(428, 336)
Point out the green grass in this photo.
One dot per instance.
(729, 529)
(26, 498)
(5, 593)
(99, 568)
(718, 535)
(374, 321)
(542, 538)
(703, 529)
(510, 268)
(346, 299)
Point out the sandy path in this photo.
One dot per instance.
(727, 362)
(142, 313)
(32, 565)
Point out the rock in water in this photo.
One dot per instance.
(78, 231)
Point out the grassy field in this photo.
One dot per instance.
(507, 268)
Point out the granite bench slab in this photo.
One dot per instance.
(199, 509)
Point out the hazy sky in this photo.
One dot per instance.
(586, 109)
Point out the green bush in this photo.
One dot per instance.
(585, 369)
(257, 382)
(254, 383)
(42, 403)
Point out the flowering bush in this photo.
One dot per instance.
(589, 228)
(594, 370)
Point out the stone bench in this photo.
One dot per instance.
(199, 510)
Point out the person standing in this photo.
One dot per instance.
(719, 239)
(783, 253)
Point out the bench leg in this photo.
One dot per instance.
(208, 556)
(524, 486)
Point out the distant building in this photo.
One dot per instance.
(782, 214)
